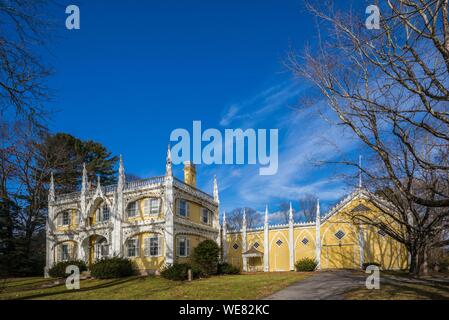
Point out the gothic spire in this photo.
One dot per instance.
(84, 183)
(121, 175)
(168, 165)
(266, 214)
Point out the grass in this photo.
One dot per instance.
(401, 286)
(234, 287)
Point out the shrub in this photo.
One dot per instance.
(58, 269)
(226, 268)
(306, 264)
(115, 267)
(366, 264)
(179, 272)
(206, 255)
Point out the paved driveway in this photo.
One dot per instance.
(330, 285)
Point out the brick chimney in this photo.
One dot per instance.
(190, 174)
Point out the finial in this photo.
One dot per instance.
(121, 175)
(318, 214)
(244, 218)
(84, 182)
(51, 192)
(290, 213)
(266, 214)
(216, 197)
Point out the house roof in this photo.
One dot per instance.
(253, 252)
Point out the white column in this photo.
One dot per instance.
(216, 217)
(318, 235)
(266, 243)
(244, 247)
(224, 240)
(118, 215)
(84, 191)
(291, 245)
(169, 211)
(49, 228)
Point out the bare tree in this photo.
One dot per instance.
(23, 33)
(284, 211)
(389, 87)
(234, 219)
(307, 207)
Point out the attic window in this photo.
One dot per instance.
(235, 246)
(339, 234)
(305, 241)
(256, 245)
(279, 242)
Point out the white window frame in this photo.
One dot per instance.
(136, 247)
(187, 208)
(103, 207)
(186, 242)
(149, 245)
(149, 207)
(208, 215)
(65, 245)
(63, 214)
(128, 209)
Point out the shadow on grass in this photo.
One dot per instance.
(65, 291)
(107, 285)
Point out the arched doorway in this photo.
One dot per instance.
(95, 247)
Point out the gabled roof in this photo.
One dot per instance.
(359, 193)
(253, 252)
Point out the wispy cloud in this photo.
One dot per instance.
(306, 140)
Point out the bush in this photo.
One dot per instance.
(206, 255)
(306, 264)
(58, 269)
(366, 264)
(226, 268)
(115, 267)
(179, 272)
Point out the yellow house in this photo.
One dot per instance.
(159, 221)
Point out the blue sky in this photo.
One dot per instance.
(136, 70)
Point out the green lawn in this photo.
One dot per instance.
(235, 287)
(401, 286)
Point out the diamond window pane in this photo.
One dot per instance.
(305, 241)
(382, 233)
(256, 245)
(339, 234)
(279, 242)
(235, 246)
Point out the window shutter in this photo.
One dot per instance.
(59, 222)
(60, 253)
(177, 247)
(178, 207)
(69, 251)
(187, 209)
(187, 247)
